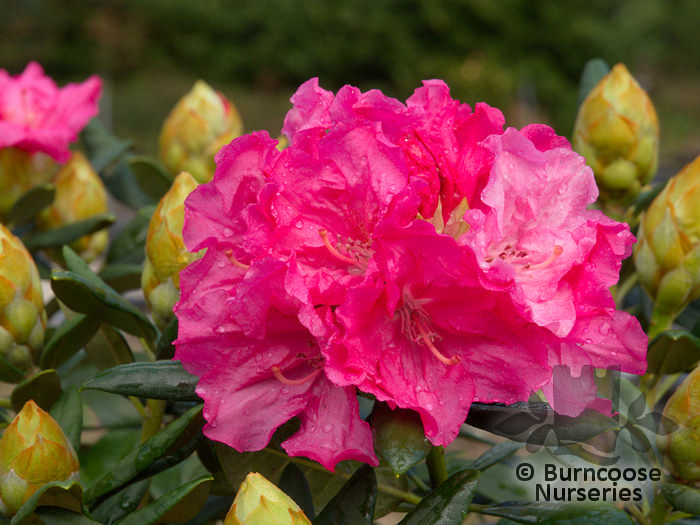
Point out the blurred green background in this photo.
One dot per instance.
(522, 56)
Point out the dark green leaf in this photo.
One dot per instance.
(72, 335)
(294, 484)
(53, 515)
(682, 497)
(108, 348)
(153, 380)
(538, 424)
(593, 72)
(101, 457)
(103, 148)
(44, 388)
(448, 503)
(31, 203)
(496, 454)
(63, 494)
(84, 296)
(186, 501)
(122, 276)
(76, 264)
(399, 437)
(354, 503)
(645, 198)
(164, 347)
(673, 351)
(548, 514)
(121, 183)
(68, 412)
(9, 373)
(153, 178)
(141, 458)
(68, 233)
(121, 504)
(128, 247)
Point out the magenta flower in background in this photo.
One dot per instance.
(416, 252)
(36, 115)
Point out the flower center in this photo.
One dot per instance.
(354, 253)
(316, 363)
(519, 258)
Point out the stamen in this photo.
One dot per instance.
(277, 372)
(229, 253)
(426, 339)
(558, 250)
(324, 235)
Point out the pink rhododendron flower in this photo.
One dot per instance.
(416, 252)
(35, 115)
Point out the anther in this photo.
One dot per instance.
(277, 372)
(324, 235)
(229, 253)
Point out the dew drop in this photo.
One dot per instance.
(604, 329)
(299, 224)
(562, 189)
(258, 357)
(220, 329)
(284, 390)
(589, 341)
(228, 232)
(327, 428)
(221, 264)
(213, 423)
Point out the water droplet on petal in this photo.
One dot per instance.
(562, 189)
(228, 232)
(220, 329)
(589, 341)
(284, 390)
(299, 224)
(604, 329)
(327, 428)
(258, 357)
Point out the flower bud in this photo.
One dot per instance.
(20, 171)
(617, 131)
(667, 253)
(681, 446)
(166, 254)
(34, 451)
(198, 126)
(80, 194)
(22, 315)
(259, 502)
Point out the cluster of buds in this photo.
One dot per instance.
(198, 126)
(34, 451)
(667, 253)
(80, 194)
(617, 131)
(22, 315)
(166, 254)
(260, 502)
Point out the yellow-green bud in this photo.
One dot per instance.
(617, 131)
(259, 502)
(34, 451)
(20, 171)
(681, 448)
(22, 315)
(667, 253)
(166, 253)
(80, 194)
(200, 124)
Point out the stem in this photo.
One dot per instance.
(149, 347)
(437, 469)
(152, 418)
(659, 323)
(5, 403)
(623, 288)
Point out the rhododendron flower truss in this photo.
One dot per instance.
(416, 252)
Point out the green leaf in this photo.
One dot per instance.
(122, 276)
(153, 178)
(101, 457)
(538, 424)
(399, 437)
(31, 203)
(108, 348)
(185, 502)
(593, 72)
(121, 504)
(68, 412)
(164, 346)
(71, 335)
(548, 514)
(294, 484)
(44, 388)
(673, 351)
(130, 244)
(448, 503)
(682, 497)
(496, 454)
(9, 373)
(103, 148)
(53, 515)
(141, 458)
(82, 295)
(153, 380)
(68, 233)
(63, 494)
(354, 503)
(645, 198)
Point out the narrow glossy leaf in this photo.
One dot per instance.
(84, 296)
(399, 437)
(44, 388)
(103, 148)
(31, 203)
(9, 373)
(673, 351)
(549, 514)
(64, 517)
(153, 380)
(294, 484)
(645, 198)
(68, 233)
(101, 457)
(108, 348)
(354, 503)
(63, 494)
(68, 412)
(123, 185)
(496, 454)
(76, 264)
(192, 495)
(128, 247)
(538, 424)
(122, 276)
(593, 72)
(72, 335)
(153, 178)
(447, 504)
(121, 504)
(142, 457)
(164, 346)
(682, 497)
